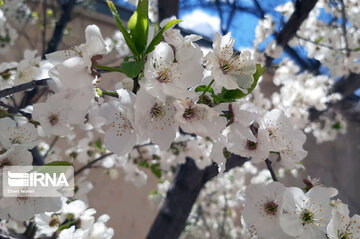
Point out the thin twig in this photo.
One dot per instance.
(15, 110)
(316, 43)
(51, 146)
(77, 172)
(271, 170)
(202, 216)
(343, 26)
(323, 45)
(143, 145)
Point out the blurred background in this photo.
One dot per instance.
(337, 163)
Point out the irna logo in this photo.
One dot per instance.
(38, 181)
(35, 179)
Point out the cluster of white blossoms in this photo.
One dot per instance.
(302, 92)
(28, 69)
(17, 11)
(80, 219)
(276, 211)
(327, 42)
(179, 104)
(17, 138)
(164, 102)
(117, 42)
(12, 13)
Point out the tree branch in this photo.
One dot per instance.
(14, 110)
(180, 198)
(302, 10)
(347, 85)
(23, 87)
(58, 33)
(259, 8)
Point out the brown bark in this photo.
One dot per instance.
(180, 198)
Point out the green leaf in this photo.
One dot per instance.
(337, 125)
(123, 30)
(154, 193)
(203, 88)
(131, 68)
(157, 39)
(156, 170)
(139, 25)
(318, 40)
(98, 144)
(226, 96)
(144, 164)
(259, 72)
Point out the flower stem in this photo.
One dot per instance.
(108, 68)
(206, 89)
(110, 93)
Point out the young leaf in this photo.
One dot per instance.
(156, 170)
(157, 39)
(139, 25)
(203, 88)
(144, 164)
(123, 30)
(98, 143)
(259, 72)
(131, 68)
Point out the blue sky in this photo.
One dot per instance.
(242, 26)
(205, 20)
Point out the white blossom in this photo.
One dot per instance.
(163, 76)
(155, 119)
(14, 134)
(229, 69)
(199, 119)
(306, 215)
(262, 208)
(121, 135)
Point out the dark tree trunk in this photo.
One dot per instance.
(168, 8)
(180, 198)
